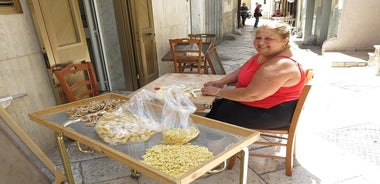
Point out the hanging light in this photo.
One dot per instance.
(291, 1)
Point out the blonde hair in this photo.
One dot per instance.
(280, 28)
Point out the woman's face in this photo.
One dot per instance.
(267, 42)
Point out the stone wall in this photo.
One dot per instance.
(358, 27)
(23, 70)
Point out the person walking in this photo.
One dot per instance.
(257, 14)
(243, 13)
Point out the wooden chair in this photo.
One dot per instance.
(288, 134)
(78, 81)
(214, 63)
(188, 56)
(206, 38)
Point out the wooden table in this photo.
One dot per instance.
(169, 56)
(196, 81)
(230, 140)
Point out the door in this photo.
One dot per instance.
(61, 35)
(143, 17)
(213, 18)
(137, 38)
(60, 31)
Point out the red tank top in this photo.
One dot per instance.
(284, 94)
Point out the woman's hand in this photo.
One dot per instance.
(210, 90)
(217, 83)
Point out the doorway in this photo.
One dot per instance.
(121, 42)
(101, 34)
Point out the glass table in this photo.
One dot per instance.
(223, 139)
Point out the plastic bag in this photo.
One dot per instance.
(178, 125)
(135, 121)
(147, 107)
(145, 114)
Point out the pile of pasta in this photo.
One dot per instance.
(179, 135)
(176, 160)
(120, 128)
(94, 110)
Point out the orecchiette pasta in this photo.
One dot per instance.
(176, 160)
(179, 135)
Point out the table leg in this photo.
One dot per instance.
(244, 165)
(64, 157)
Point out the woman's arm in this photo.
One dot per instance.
(267, 80)
(228, 79)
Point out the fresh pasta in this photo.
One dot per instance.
(121, 128)
(179, 135)
(176, 160)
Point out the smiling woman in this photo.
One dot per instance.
(268, 85)
(10, 6)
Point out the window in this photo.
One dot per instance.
(10, 6)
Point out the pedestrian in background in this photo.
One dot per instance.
(277, 14)
(257, 14)
(243, 13)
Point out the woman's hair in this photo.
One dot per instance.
(280, 28)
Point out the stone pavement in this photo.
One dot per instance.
(338, 134)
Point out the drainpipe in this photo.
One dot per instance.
(325, 19)
(308, 39)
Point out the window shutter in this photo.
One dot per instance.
(10, 6)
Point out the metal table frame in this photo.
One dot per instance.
(247, 137)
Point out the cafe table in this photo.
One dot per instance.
(222, 139)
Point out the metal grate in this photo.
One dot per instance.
(362, 140)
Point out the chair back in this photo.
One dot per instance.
(300, 105)
(213, 61)
(78, 81)
(187, 55)
(206, 38)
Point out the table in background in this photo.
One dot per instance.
(169, 56)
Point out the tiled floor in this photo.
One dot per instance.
(338, 134)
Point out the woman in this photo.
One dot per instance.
(243, 13)
(267, 87)
(257, 14)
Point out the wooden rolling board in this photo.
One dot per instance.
(194, 81)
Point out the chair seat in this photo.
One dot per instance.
(283, 130)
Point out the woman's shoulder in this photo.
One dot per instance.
(283, 60)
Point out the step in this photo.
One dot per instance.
(377, 50)
(338, 59)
